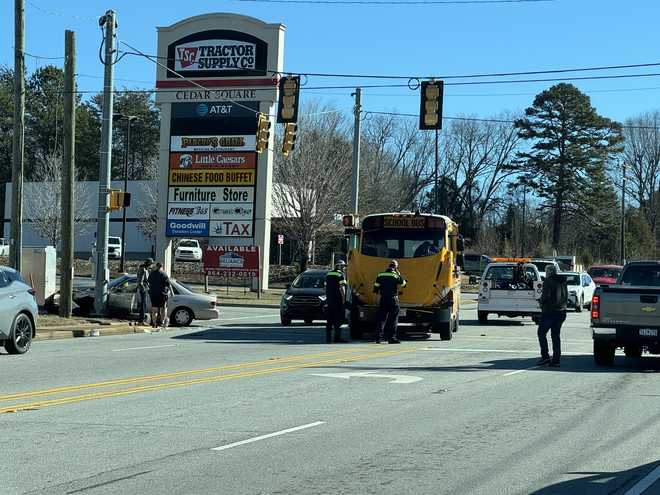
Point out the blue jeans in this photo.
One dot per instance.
(551, 321)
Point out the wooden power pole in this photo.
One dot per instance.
(19, 132)
(68, 177)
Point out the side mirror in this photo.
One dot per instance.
(344, 245)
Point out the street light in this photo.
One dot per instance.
(127, 145)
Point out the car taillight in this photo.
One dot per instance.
(595, 307)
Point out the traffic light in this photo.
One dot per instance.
(289, 141)
(287, 110)
(263, 132)
(430, 111)
(119, 200)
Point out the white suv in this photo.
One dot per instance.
(114, 247)
(188, 250)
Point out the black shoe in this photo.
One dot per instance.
(340, 341)
(378, 341)
(393, 341)
(554, 364)
(543, 362)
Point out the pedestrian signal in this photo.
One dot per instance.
(263, 132)
(289, 141)
(430, 111)
(119, 200)
(287, 111)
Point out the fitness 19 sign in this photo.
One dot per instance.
(212, 170)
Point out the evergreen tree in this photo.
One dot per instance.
(570, 144)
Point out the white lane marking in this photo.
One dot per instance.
(401, 379)
(645, 483)
(269, 435)
(520, 371)
(506, 351)
(248, 317)
(145, 347)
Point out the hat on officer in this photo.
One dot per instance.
(340, 265)
(394, 264)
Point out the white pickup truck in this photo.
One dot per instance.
(510, 289)
(4, 247)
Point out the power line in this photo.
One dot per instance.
(60, 14)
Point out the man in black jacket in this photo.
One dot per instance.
(387, 285)
(335, 293)
(553, 314)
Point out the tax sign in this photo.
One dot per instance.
(236, 261)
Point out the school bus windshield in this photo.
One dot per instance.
(402, 243)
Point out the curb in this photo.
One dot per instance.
(245, 305)
(52, 334)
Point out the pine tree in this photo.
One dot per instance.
(570, 144)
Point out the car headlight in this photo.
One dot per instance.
(322, 298)
(288, 297)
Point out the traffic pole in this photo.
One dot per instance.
(68, 175)
(103, 227)
(622, 254)
(16, 246)
(355, 176)
(129, 119)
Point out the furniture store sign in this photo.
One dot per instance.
(218, 53)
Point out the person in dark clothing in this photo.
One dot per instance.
(159, 292)
(143, 287)
(387, 285)
(335, 293)
(553, 314)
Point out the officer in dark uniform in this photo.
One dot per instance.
(335, 292)
(387, 285)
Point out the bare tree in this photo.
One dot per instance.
(310, 186)
(476, 156)
(44, 206)
(147, 210)
(396, 164)
(642, 156)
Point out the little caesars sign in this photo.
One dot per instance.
(212, 183)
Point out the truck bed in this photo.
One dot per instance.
(628, 306)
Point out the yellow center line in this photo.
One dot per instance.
(196, 381)
(174, 374)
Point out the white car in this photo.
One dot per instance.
(188, 250)
(509, 289)
(114, 247)
(19, 311)
(541, 265)
(580, 289)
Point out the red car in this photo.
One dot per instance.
(605, 274)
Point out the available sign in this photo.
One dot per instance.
(237, 261)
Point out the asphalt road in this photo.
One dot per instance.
(245, 406)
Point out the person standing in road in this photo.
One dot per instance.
(143, 287)
(554, 299)
(335, 294)
(159, 291)
(387, 285)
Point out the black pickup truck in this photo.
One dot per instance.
(627, 314)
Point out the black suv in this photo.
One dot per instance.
(304, 299)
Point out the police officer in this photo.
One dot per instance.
(387, 285)
(335, 293)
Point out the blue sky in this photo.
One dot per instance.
(401, 40)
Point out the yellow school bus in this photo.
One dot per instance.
(428, 248)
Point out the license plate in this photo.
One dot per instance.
(403, 312)
(648, 332)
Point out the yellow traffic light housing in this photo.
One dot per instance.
(289, 141)
(430, 111)
(119, 200)
(263, 132)
(287, 111)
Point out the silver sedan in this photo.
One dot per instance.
(18, 310)
(183, 307)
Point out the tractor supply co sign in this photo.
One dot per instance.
(235, 261)
(218, 53)
(212, 177)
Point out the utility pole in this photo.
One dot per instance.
(68, 177)
(18, 141)
(435, 177)
(127, 146)
(524, 222)
(622, 256)
(356, 151)
(103, 227)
